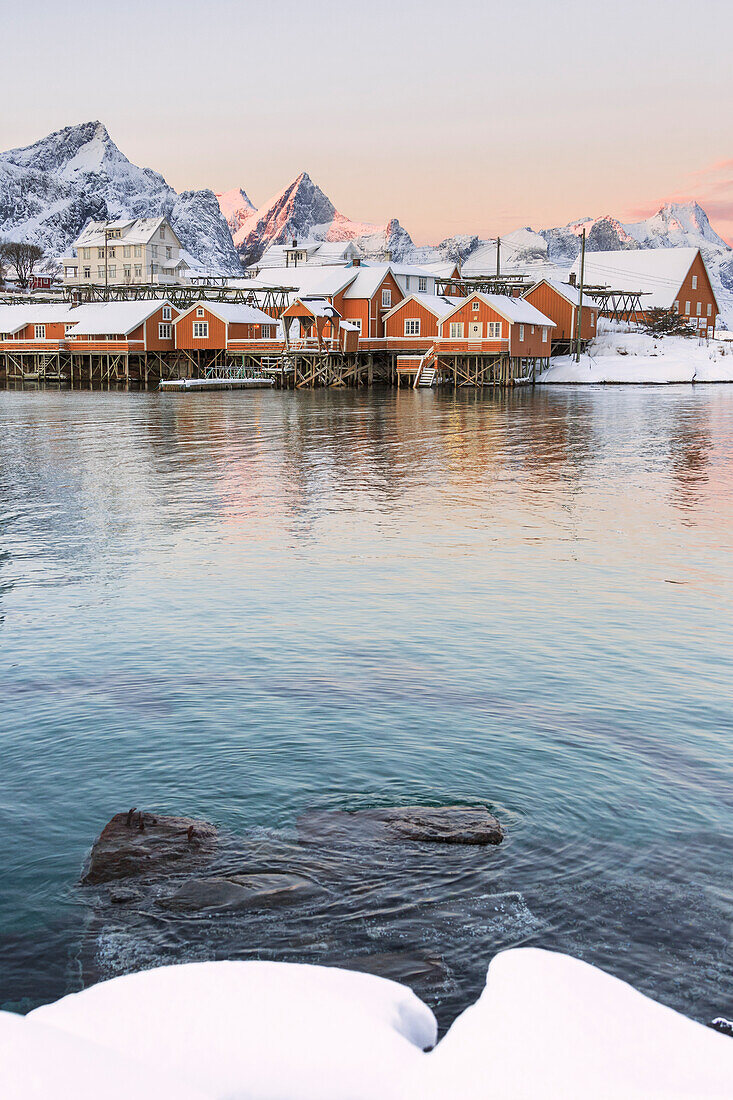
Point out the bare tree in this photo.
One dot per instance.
(23, 256)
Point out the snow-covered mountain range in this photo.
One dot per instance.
(50, 190)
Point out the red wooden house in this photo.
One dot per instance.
(495, 324)
(415, 320)
(219, 326)
(34, 326)
(368, 299)
(560, 302)
(131, 328)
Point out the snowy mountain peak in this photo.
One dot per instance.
(235, 205)
(49, 191)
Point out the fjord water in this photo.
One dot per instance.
(246, 606)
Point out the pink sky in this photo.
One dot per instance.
(479, 117)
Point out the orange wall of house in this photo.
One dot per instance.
(388, 282)
(703, 294)
(152, 340)
(484, 313)
(54, 331)
(395, 325)
(184, 332)
(242, 331)
(355, 309)
(532, 346)
(553, 305)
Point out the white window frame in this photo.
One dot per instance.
(412, 326)
(698, 309)
(544, 334)
(40, 332)
(100, 271)
(165, 331)
(694, 282)
(493, 330)
(354, 321)
(422, 284)
(162, 232)
(687, 309)
(166, 314)
(200, 312)
(475, 306)
(87, 273)
(137, 251)
(710, 309)
(201, 330)
(386, 298)
(521, 333)
(456, 330)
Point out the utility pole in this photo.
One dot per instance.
(498, 257)
(580, 298)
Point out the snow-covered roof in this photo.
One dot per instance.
(132, 231)
(660, 271)
(232, 313)
(15, 317)
(319, 307)
(566, 290)
(318, 252)
(512, 309)
(367, 281)
(323, 281)
(113, 318)
(438, 304)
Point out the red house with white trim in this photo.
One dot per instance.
(560, 302)
(496, 324)
(219, 326)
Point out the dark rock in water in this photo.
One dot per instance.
(721, 1024)
(240, 891)
(139, 843)
(407, 967)
(431, 824)
(122, 895)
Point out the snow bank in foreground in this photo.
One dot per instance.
(43, 1063)
(551, 1027)
(617, 356)
(546, 1026)
(258, 1030)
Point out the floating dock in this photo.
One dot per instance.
(193, 384)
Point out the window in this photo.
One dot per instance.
(456, 330)
(267, 332)
(40, 332)
(153, 269)
(126, 252)
(138, 271)
(162, 232)
(699, 308)
(677, 306)
(494, 330)
(200, 330)
(100, 273)
(687, 309)
(422, 285)
(68, 327)
(694, 282)
(111, 252)
(138, 250)
(592, 321)
(387, 298)
(407, 282)
(412, 326)
(127, 271)
(200, 312)
(112, 271)
(165, 332)
(355, 321)
(87, 272)
(544, 334)
(710, 310)
(521, 332)
(475, 305)
(168, 253)
(85, 253)
(154, 250)
(100, 253)
(532, 330)
(166, 313)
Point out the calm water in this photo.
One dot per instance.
(246, 606)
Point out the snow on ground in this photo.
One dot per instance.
(551, 1027)
(258, 1030)
(545, 1026)
(620, 356)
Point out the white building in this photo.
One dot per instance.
(137, 251)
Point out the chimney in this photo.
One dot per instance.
(388, 255)
(356, 262)
(571, 280)
(295, 242)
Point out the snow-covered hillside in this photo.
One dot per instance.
(50, 190)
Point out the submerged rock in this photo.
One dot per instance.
(136, 843)
(240, 891)
(431, 824)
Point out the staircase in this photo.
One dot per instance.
(426, 371)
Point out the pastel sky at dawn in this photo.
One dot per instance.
(452, 117)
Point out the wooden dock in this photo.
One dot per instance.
(188, 385)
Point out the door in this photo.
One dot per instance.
(475, 330)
